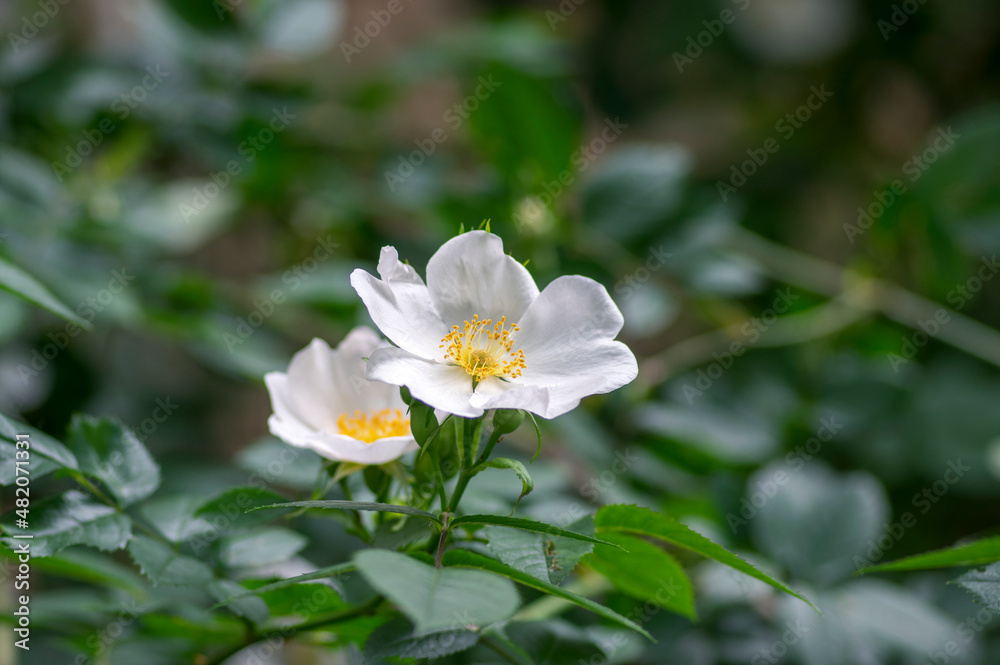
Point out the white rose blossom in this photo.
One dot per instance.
(479, 335)
(325, 403)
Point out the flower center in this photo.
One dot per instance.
(484, 348)
(369, 427)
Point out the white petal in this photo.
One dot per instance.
(444, 387)
(340, 447)
(470, 275)
(401, 306)
(567, 337)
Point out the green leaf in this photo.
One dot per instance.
(475, 560)
(527, 484)
(355, 505)
(46, 454)
(644, 522)
(23, 285)
(281, 464)
(110, 452)
(303, 600)
(89, 567)
(397, 639)
(251, 607)
(71, 519)
(321, 574)
(525, 525)
(261, 546)
(162, 565)
(645, 572)
(438, 598)
(549, 558)
(228, 510)
(984, 585)
(174, 517)
(973, 554)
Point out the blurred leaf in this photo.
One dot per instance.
(636, 189)
(280, 464)
(83, 565)
(260, 547)
(321, 574)
(525, 525)
(110, 452)
(302, 27)
(438, 598)
(527, 126)
(645, 572)
(23, 285)
(397, 639)
(984, 585)
(973, 554)
(162, 565)
(228, 510)
(230, 593)
(474, 560)
(336, 504)
(644, 522)
(817, 523)
(174, 517)
(70, 518)
(303, 600)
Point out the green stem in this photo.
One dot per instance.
(439, 481)
(439, 557)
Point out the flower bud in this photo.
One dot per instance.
(506, 421)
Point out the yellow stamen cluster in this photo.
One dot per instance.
(484, 348)
(376, 425)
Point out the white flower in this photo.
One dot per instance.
(480, 336)
(326, 404)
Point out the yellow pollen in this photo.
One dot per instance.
(484, 348)
(376, 425)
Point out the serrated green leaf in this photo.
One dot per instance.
(174, 517)
(70, 518)
(438, 598)
(162, 565)
(972, 554)
(549, 558)
(108, 451)
(46, 454)
(260, 546)
(645, 572)
(524, 525)
(984, 585)
(466, 558)
(644, 522)
(21, 284)
(527, 484)
(355, 505)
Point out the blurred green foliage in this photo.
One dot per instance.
(196, 181)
